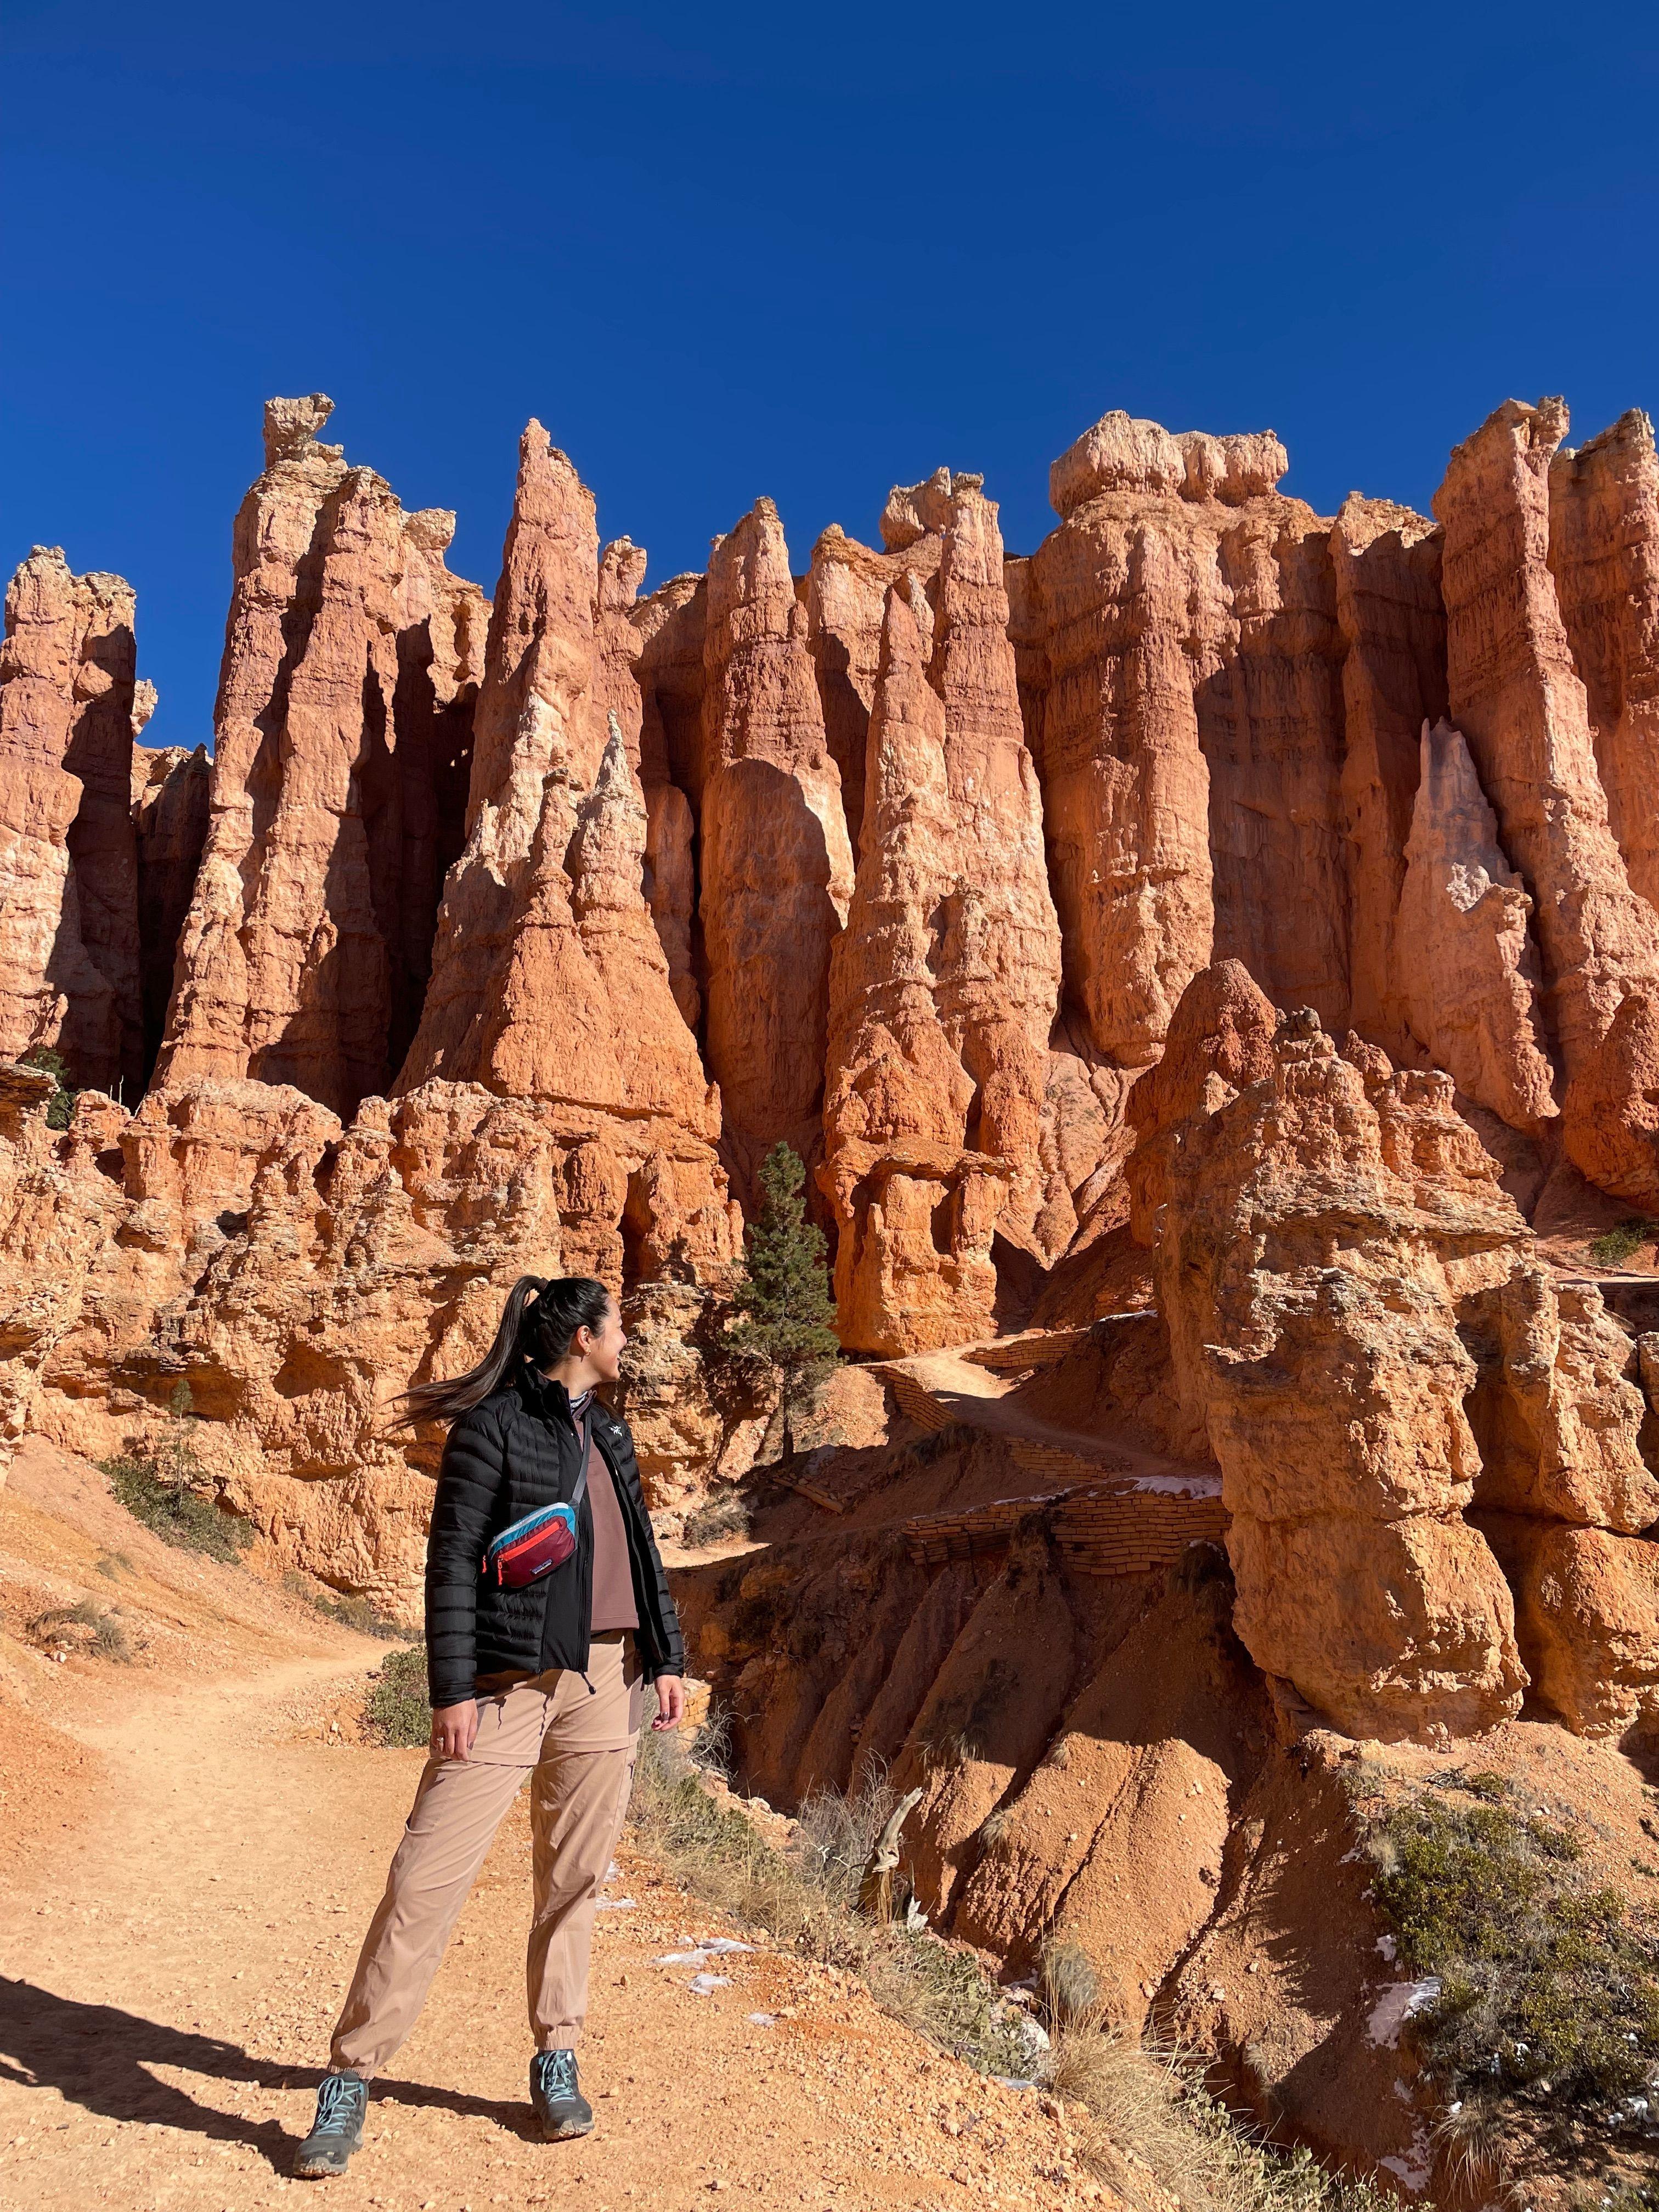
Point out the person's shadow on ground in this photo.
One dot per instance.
(100, 2057)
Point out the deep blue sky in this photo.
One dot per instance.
(729, 250)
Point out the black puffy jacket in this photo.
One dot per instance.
(517, 1452)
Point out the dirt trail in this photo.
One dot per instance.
(173, 1964)
(935, 1388)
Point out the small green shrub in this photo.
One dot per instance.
(716, 1519)
(60, 1107)
(1485, 1784)
(1614, 1246)
(349, 1612)
(396, 1709)
(1616, 2196)
(935, 1444)
(175, 1512)
(1549, 1994)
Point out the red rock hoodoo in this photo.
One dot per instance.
(776, 863)
(69, 863)
(945, 986)
(342, 742)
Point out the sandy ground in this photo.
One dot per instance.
(179, 1919)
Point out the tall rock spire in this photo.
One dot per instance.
(68, 866)
(777, 865)
(342, 732)
(533, 752)
(1522, 704)
(945, 986)
(1604, 556)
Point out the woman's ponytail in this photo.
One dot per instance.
(538, 1323)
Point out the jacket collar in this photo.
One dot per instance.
(543, 1395)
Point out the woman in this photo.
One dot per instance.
(536, 1666)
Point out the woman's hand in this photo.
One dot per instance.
(453, 1728)
(671, 1701)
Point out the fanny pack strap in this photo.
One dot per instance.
(580, 1491)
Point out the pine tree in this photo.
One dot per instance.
(784, 1295)
(178, 1459)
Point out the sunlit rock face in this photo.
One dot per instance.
(944, 986)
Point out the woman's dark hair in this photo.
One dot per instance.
(538, 1323)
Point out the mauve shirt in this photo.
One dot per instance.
(613, 1578)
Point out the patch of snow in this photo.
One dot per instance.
(1415, 2178)
(615, 1904)
(721, 1946)
(764, 2019)
(1177, 1486)
(1395, 2007)
(1385, 1944)
(702, 1986)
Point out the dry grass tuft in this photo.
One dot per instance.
(1069, 1984)
(716, 1519)
(1157, 2137)
(1471, 2152)
(85, 1627)
(806, 1899)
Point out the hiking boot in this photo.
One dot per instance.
(559, 2105)
(337, 2130)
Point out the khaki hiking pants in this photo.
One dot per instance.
(578, 1750)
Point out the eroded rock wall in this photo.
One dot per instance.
(1408, 1411)
(1520, 700)
(297, 1265)
(776, 874)
(945, 986)
(1468, 982)
(69, 864)
(1189, 635)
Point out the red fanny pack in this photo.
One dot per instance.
(534, 1545)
